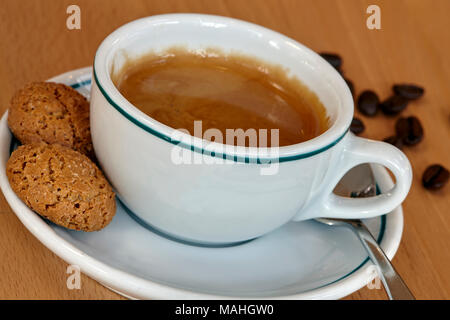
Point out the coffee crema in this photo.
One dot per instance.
(179, 87)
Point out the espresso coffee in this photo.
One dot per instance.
(178, 88)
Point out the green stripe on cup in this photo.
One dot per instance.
(224, 156)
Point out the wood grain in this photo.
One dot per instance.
(412, 46)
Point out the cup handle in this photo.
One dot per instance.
(357, 151)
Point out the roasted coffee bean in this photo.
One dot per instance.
(357, 126)
(350, 85)
(368, 103)
(402, 127)
(409, 130)
(333, 59)
(395, 141)
(408, 91)
(435, 177)
(393, 105)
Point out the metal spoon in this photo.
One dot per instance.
(361, 178)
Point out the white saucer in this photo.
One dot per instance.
(302, 260)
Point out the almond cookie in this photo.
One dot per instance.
(53, 113)
(61, 185)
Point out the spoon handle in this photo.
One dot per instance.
(393, 283)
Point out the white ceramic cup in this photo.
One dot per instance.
(232, 201)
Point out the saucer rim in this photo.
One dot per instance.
(132, 286)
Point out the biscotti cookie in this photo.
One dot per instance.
(53, 113)
(61, 185)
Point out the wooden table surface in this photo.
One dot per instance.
(412, 46)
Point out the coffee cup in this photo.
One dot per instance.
(226, 194)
